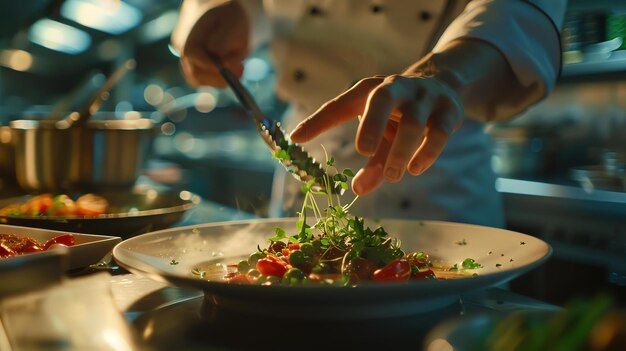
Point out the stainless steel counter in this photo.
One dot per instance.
(585, 227)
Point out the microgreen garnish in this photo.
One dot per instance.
(461, 243)
(331, 246)
(282, 155)
(470, 263)
(173, 262)
(280, 234)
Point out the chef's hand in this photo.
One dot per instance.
(404, 123)
(221, 32)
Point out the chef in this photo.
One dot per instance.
(399, 90)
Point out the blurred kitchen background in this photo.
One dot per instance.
(561, 164)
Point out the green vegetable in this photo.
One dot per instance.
(254, 257)
(298, 259)
(307, 249)
(293, 276)
(243, 266)
(254, 273)
(321, 268)
(470, 263)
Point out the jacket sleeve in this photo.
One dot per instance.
(526, 32)
(191, 10)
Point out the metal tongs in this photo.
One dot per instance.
(296, 160)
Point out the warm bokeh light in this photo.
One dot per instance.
(18, 60)
(205, 102)
(153, 94)
(159, 28)
(121, 108)
(109, 16)
(59, 37)
(132, 115)
(168, 128)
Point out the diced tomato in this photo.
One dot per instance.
(31, 245)
(294, 246)
(6, 251)
(271, 265)
(239, 278)
(396, 270)
(38, 205)
(64, 239)
(285, 252)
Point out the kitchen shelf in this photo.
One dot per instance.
(615, 63)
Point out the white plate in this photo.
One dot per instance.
(89, 248)
(171, 255)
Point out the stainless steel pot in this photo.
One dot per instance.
(100, 155)
(7, 169)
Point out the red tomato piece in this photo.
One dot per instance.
(396, 270)
(31, 245)
(38, 205)
(271, 265)
(6, 251)
(239, 278)
(294, 246)
(64, 239)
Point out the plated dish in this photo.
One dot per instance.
(177, 255)
(125, 214)
(12, 245)
(82, 249)
(59, 205)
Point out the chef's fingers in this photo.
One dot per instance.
(445, 118)
(344, 107)
(435, 140)
(408, 137)
(221, 32)
(442, 123)
(393, 92)
(371, 176)
(391, 130)
(199, 76)
(201, 71)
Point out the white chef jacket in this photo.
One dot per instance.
(321, 47)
